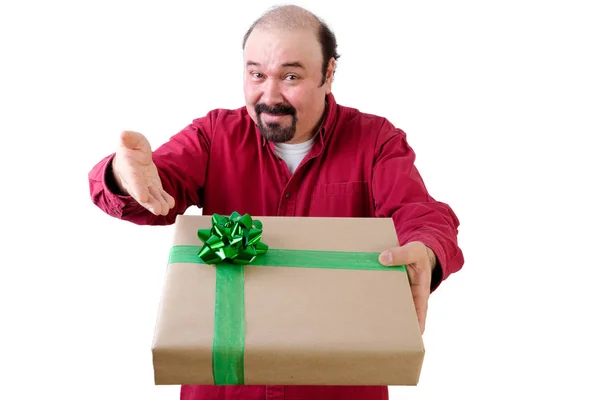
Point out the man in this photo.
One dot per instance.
(291, 151)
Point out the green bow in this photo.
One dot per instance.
(235, 238)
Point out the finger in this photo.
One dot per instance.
(143, 196)
(163, 207)
(420, 294)
(168, 198)
(150, 203)
(409, 253)
(153, 205)
(133, 140)
(420, 282)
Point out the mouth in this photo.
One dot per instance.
(274, 117)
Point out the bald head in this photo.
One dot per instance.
(289, 18)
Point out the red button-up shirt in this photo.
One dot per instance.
(359, 166)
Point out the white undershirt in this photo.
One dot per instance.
(293, 154)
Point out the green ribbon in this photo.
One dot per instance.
(230, 244)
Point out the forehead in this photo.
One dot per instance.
(276, 46)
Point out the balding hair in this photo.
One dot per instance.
(291, 17)
(287, 17)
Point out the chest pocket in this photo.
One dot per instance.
(341, 199)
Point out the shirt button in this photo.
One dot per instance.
(288, 195)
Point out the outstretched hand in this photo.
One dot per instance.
(420, 261)
(136, 174)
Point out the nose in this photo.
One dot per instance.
(272, 93)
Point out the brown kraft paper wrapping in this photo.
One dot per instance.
(303, 326)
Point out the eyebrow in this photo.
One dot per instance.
(294, 64)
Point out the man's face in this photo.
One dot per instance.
(282, 83)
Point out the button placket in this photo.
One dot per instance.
(287, 204)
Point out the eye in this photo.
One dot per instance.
(256, 75)
(291, 77)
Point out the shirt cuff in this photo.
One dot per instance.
(116, 200)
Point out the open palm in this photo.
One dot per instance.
(138, 176)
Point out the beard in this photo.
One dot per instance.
(275, 131)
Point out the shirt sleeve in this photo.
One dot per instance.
(400, 193)
(181, 163)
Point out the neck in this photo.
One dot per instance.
(302, 138)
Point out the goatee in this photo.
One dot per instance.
(274, 131)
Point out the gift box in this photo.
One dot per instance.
(285, 301)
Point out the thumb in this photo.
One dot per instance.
(407, 254)
(134, 140)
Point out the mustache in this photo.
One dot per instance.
(279, 109)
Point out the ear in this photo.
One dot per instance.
(329, 75)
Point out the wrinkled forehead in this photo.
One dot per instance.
(274, 47)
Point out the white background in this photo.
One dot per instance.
(500, 100)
